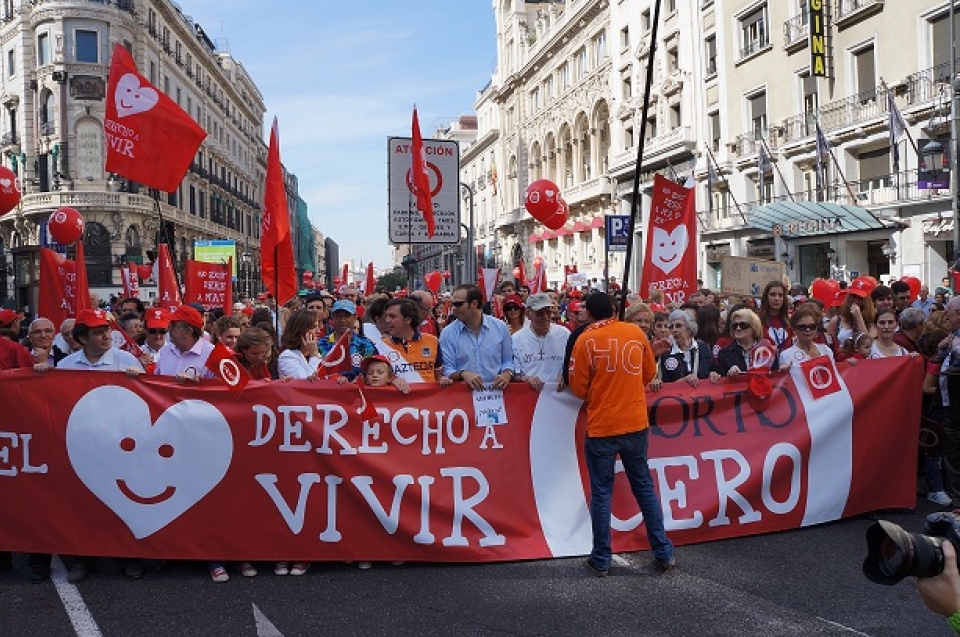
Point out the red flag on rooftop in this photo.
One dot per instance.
(276, 247)
(150, 139)
(419, 178)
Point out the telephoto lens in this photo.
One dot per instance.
(893, 554)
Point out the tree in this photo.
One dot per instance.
(393, 280)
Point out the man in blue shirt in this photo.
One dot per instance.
(924, 302)
(476, 348)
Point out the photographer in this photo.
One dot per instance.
(941, 594)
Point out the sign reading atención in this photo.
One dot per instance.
(406, 224)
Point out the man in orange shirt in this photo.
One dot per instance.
(612, 363)
(415, 353)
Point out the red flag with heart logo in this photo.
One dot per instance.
(821, 376)
(150, 139)
(670, 258)
(58, 278)
(167, 288)
(225, 366)
(337, 360)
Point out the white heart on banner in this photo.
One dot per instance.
(148, 473)
(131, 98)
(668, 247)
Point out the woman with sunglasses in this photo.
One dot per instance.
(806, 323)
(513, 314)
(747, 331)
(690, 359)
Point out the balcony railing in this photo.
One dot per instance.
(795, 30)
(753, 47)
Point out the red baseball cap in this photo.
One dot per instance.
(9, 317)
(93, 318)
(573, 307)
(376, 358)
(862, 286)
(512, 299)
(157, 318)
(188, 315)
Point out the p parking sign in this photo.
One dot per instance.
(617, 232)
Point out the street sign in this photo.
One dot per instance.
(617, 232)
(405, 223)
(217, 251)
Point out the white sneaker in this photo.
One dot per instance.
(940, 498)
(364, 565)
(281, 568)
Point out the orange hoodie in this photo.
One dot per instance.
(611, 364)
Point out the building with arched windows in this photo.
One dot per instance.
(54, 63)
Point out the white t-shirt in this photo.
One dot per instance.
(540, 357)
(293, 364)
(794, 355)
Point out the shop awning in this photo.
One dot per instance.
(580, 227)
(547, 235)
(597, 222)
(564, 231)
(535, 238)
(809, 218)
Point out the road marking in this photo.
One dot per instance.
(622, 561)
(265, 627)
(83, 623)
(847, 628)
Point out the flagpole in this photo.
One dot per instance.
(726, 185)
(276, 288)
(163, 233)
(635, 203)
(777, 168)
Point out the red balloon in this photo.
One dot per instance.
(308, 276)
(914, 284)
(433, 280)
(824, 290)
(559, 217)
(144, 272)
(446, 275)
(65, 225)
(9, 190)
(541, 199)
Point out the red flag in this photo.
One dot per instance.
(367, 410)
(371, 283)
(487, 279)
(167, 288)
(539, 283)
(123, 340)
(81, 294)
(224, 365)
(57, 286)
(131, 282)
(209, 284)
(670, 259)
(338, 359)
(419, 178)
(276, 247)
(821, 376)
(763, 355)
(345, 276)
(150, 139)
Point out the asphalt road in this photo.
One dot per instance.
(804, 582)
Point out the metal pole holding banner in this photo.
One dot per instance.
(635, 203)
(469, 258)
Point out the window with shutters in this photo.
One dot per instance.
(754, 35)
(873, 169)
(866, 74)
(758, 115)
(940, 44)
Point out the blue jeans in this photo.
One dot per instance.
(601, 456)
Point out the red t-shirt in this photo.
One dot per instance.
(14, 355)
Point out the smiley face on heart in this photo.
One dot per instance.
(668, 247)
(131, 98)
(148, 473)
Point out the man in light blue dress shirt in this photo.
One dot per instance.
(476, 348)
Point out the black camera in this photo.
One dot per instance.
(893, 553)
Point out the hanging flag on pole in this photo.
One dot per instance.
(370, 285)
(487, 279)
(167, 288)
(276, 247)
(419, 177)
(897, 128)
(823, 152)
(150, 139)
(130, 280)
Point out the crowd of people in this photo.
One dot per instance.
(550, 340)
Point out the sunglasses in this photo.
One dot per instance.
(741, 326)
(156, 330)
(806, 327)
(457, 303)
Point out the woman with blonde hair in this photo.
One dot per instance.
(641, 314)
(747, 332)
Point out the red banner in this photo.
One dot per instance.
(167, 288)
(102, 464)
(670, 258)
(131, 282)
(209, 284)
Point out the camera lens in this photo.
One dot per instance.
(893, 554)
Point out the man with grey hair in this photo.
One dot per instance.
(911, 326)
(538, 347)
(924, 302)
(425, 303)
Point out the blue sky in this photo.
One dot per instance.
(341, 77)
